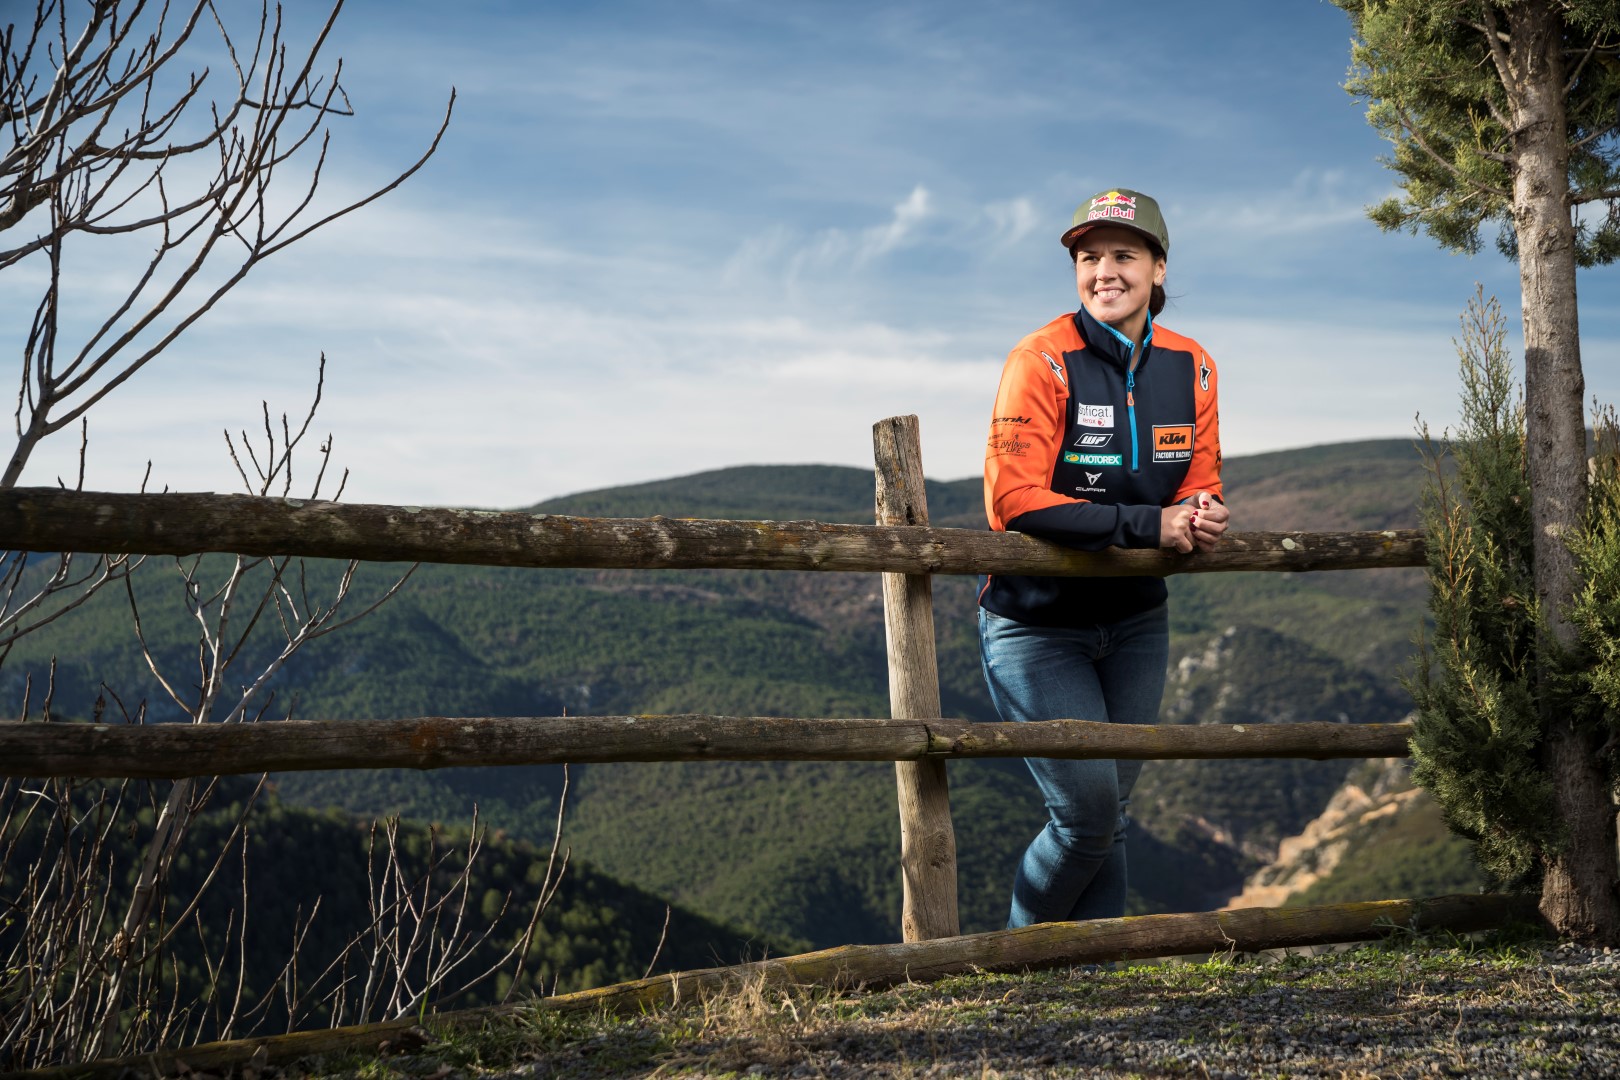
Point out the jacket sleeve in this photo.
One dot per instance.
(1204, 473)
(1026, 435)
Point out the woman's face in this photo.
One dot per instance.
(1115, 271)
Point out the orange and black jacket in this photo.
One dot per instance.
(1085, 451)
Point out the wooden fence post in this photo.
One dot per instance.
(927, 841)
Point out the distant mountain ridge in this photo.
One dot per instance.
(807, 851)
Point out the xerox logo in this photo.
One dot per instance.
(1093, 415)
(1094, 440)
(1172, 442)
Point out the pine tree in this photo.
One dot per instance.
(1493, 670)
(1507, 113)
(1478, 725)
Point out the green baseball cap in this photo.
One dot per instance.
(1123, 207)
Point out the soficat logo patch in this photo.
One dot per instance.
(1099, 416)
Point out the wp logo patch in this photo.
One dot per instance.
(1172, 442)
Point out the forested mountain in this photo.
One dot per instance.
(319, 901)
(807, 851)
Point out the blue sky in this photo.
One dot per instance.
(665, 238)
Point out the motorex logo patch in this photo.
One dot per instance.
(1093, 459)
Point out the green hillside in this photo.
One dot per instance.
(807, 851)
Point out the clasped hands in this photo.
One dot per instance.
(1197, 523)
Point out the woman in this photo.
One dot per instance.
(1105, 433)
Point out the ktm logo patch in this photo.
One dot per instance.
(1172, 442)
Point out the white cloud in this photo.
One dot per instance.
(907, 216)
(1314, 201)
(783, 253)
(1010, 220)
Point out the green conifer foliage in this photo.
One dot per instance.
(1593, 670)
(1478, 727)
(1508, 112)
(1435, 89)
(1478, 739)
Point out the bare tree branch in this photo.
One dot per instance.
(102, 136)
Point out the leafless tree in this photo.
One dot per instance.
(88, 968)
(96, 959)
(115, 136)
(118, 138)
(420, 943)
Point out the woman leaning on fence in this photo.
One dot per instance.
(1104, 434)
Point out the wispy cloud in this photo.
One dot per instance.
(908, 215)
(1011, 220)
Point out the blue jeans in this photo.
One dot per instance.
(1075, 866)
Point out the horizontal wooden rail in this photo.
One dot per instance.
(171, 751)
(51, 520)
(1030, 948)
(1050, 945)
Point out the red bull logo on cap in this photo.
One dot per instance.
(1112, 205)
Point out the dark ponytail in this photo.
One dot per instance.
(1156, 297)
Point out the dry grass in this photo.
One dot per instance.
(1423, 1009)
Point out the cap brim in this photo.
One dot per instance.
(1084, 227)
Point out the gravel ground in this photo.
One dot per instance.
(1370, 1012)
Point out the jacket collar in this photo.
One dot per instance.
(1109, 343)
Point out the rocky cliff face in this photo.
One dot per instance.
(1250, 674)
(1375, 794)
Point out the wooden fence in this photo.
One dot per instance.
(901, 546)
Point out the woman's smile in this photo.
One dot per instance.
(1115, 271)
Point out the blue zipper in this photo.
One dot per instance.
(1130, 411)
(1130, 381)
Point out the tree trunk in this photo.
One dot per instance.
(1579, 896)
(26, 441)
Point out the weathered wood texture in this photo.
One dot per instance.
(928, 907)
(49, 519)
(1031, 948)
(1049, 945)
(172, 751)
